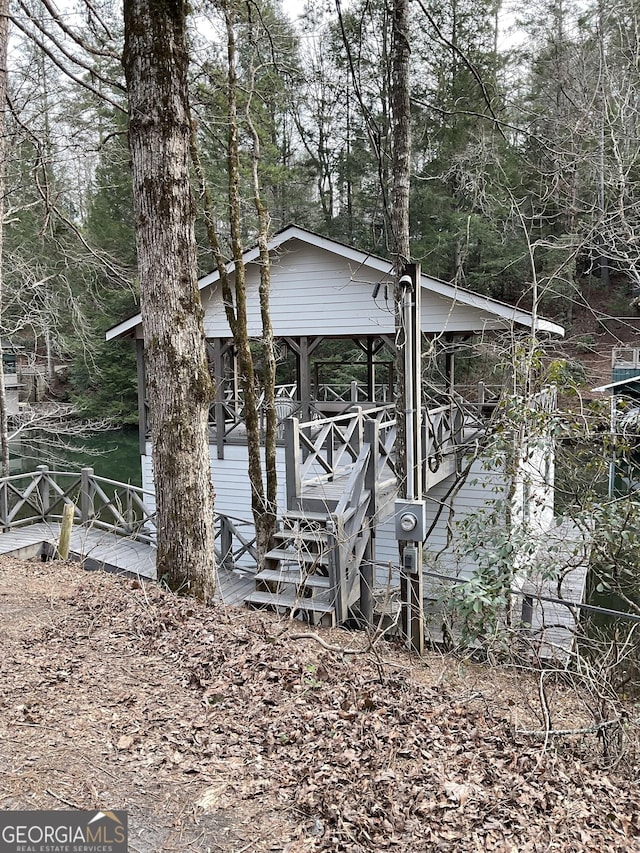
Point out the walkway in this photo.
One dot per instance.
(99, 549)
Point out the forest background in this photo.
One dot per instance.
(525, 158)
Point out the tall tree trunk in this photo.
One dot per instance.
(178, 383)
(266, 521)
(263, 502)
(4, 39)
(262, 509)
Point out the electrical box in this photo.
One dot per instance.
(410, 560)
(411, 520)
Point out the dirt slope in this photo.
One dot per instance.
(224, 730)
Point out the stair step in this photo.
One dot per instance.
(296, 556)
(306, 515)
(311, 535)
(292, 602)
(296, 576)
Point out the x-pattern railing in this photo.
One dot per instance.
(40, 496)
(119, 508)
(331, 445)
(445, 429)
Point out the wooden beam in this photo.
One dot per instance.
(142, 397)
(304, 379)
(218, 371)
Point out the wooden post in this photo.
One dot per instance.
(292, 462)
(371, 371)
(337, 568)
(304, 379)
(481, 396)
(65, 531)
(367, 571)
(143, 414)
(43, 490)
(218, 371)
(226, 543)
(86, 497)
(358, 433)
(450, 362)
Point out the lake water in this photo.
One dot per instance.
(114, 455)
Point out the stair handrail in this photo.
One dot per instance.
(322, 449)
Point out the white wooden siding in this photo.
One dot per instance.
(230, 480)
(316, 292)
(480, 486)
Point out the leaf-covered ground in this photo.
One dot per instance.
(225, 730)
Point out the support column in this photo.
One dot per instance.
(411, 583)
(371, 371)
(304, 379)
(449, 362)
(218, 370)
(143, 420)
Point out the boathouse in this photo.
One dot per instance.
(332, 313)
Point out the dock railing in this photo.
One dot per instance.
(119, 508)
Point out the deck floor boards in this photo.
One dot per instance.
(99, 549)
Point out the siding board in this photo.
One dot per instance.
(316, 292)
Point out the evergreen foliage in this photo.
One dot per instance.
(524, 159)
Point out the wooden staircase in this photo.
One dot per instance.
(341, 482)
(296, 576)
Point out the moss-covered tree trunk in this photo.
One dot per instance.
(179, 387)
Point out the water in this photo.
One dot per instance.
(114, 455)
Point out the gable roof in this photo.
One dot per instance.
(501, 311)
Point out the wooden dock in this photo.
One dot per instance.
(554, 624)
(101, 549)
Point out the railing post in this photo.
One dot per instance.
(359, 430)
(292, 462)
(482, 392)
(86, 498)
(337, 569)
(457, 426)
(330, 447)
(372, 438)
(4, 506)
(367, 574)
(129, 514)
(43, 489)
(226, 543)
(427, 437)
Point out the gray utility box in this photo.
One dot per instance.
(411, 520)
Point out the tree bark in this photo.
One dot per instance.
(266, 520)
(179, 387)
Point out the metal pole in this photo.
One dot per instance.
(411, 584)
(612, 430)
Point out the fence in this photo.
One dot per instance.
(118, 508)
